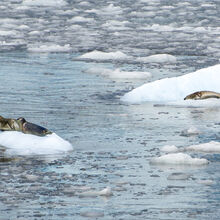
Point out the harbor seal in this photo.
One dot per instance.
(20, 124)
(8, 124)
(203, 95)
(30, 128)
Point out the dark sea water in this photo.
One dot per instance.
(43, 80)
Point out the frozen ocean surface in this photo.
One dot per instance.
(69, 66)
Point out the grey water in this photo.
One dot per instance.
(113, 141)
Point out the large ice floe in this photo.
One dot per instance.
(18, 143)
(176, 88)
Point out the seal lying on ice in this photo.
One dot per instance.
(8, 124)
(203, 95)
(30, 128)
(20, 124)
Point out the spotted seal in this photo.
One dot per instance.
(203, 95)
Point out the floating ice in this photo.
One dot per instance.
(105, 192)
(158, 58)
(98, 55)
(190, 132)
(79, 19)
(8, 33)
(19, 143)
(176, 88)
(210, 147)
(44, 3)
(92, 214)
(169, 148)
(178, 159)
(118, 74)
(206, 182)
(106, 11)
(178, 176)
(50, 48)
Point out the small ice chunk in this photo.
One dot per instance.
(169, 149)
(99, 55)
(119, 74)
(92, 214)
(79, 19)
(206, 182)
(54, 3)
(210, 147)
(158, 58)
(53, 48)
(105, 192)
(178, 176)
(190, 132)
(179, 159)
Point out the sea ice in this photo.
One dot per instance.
(190, 132)
(118, 74)
(176, 88)
(99, 55)
(178, 159)
(49, 48)
(178, 176)
(79, 19)
(19, 143)
(169, 149)
(158, 58)
(44, 3)
(210, 147)
(105, 192)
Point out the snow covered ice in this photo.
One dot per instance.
(18, 143)
(176, 88)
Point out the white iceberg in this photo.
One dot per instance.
(178, 159)
(18, 143)
(176, 88)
